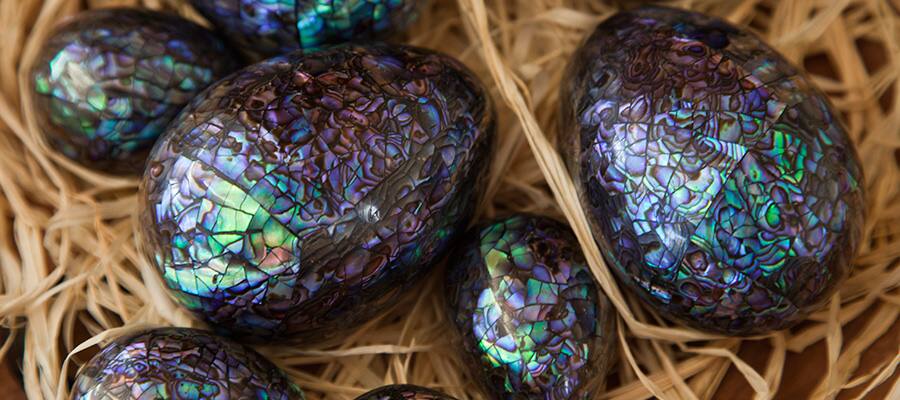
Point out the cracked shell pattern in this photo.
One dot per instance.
(180, 363)
(108, 82)
(720, 184)
(404, 392)
(300, 196)
(529, 312)
(272, 27)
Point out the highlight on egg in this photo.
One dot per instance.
(530, 316)
(404, 392)
(180, 363)
(269, 28)
(106, 83)
(720, 184)
(302, 195)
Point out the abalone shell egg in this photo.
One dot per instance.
(107, 82)
(268, 28)
(300, 196)
(180, 363)
(720, 184)
(404, 392)
(531, 319)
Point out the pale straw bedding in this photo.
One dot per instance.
(71, 271)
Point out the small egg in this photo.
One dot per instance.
(268, 28)
(107, 82)
(719, 182)
(531, 319)
(404, 392)
(180, 363)
(301, 196)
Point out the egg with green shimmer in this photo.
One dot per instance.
(404, 392)
(720, 184)
(300, 196)
(180, 363)
(106, 83)
(265, 28)
(530, 316)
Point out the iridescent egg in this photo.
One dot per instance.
(404, 392)
(268, 28)
(300, 196)
(180, 363)
(531, 318)
(108, 82)
(720, 184)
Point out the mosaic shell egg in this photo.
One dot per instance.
(531, 318)
(719, 182)
(404, 392)
(272, 27)
(300, 196)
(108, 82)
(180, 363)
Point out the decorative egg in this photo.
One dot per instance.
(720, 184)
(531, 318)
(180, 363)
(302, 195)
(108, 82)
(404, 392)
(268, 28)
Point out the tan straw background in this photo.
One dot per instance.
(70, 275)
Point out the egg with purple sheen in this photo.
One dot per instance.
(302, 195)
(719, 182)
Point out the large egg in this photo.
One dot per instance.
(403, 392)
(108, 82)
(268, 28)
(531, 319)
(720, 183)
(300, 196)
(180, 363)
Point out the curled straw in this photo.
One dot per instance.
(71, 268)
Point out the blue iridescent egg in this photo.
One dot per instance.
(530, 316)
(404, 392)
(300, 196)
(107, 83)
(272, 27)
(180, 363)
(720, 184)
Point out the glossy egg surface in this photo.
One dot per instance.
(720, 184)
(404, 392)
(273, 27)
(180, 363)
(301, 195)
(531, 318)
(107, 82)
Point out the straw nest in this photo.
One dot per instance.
(71, 276)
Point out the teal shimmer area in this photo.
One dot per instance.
(272, 27)
(529, 312)
(107, 83)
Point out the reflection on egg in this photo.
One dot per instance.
(531, 318)
(180, 363)
(108, 82)
(404, 392)
(268, 28)
(720, 183)
(302, 195)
